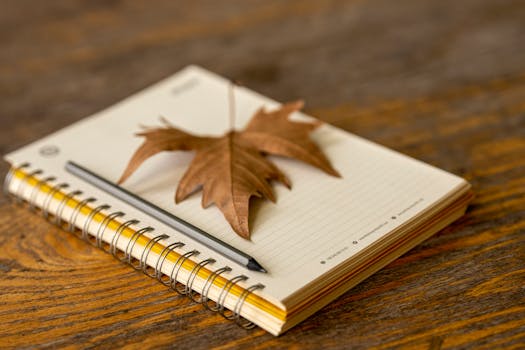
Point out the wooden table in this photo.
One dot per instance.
(442, 81)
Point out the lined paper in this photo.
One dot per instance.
(322, 222)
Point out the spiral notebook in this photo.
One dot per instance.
(317, 241)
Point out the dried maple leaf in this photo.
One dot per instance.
(232, 168)
(274, 133)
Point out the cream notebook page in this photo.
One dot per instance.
(310, 230)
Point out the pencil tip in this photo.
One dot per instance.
(255, 266)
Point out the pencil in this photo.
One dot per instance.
(165, 217)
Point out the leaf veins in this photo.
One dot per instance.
(232, 168)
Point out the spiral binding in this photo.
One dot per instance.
(147, 249)
(162, 257)
(102, 227)
(36, 191)
(62, 205)
(221, 301)
(114, 240)
(22, 183)
(207, 286)
(9, 176)
(126, 254)
(76, 211)
(90, 217)
(240, 302)
(191, 278)
(174, 284)
(48, 199)
(131, 244)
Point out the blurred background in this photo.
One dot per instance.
(63, 60)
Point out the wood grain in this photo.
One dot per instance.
(442, 81)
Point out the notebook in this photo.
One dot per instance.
(316, 241)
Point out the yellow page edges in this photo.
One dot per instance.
(157, 248)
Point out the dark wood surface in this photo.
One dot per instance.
(442, 81)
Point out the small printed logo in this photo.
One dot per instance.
(49, 151)
(328, 258)
(184, 86)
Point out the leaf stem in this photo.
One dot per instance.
(232, 105)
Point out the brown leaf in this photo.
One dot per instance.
(274, 133)
(232, 168)
(159, 140)
(230, 171)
